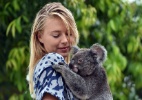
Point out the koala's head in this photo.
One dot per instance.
(84, 61)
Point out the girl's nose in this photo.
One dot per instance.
(64, 39)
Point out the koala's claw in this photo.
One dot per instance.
(61, 63)
(58, 68)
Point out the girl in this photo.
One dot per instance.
(54, 32)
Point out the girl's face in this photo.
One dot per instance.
(55, 37)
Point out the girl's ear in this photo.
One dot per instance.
(39, 36)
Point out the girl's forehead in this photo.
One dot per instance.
(54, 23)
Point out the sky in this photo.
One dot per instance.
(131, 0)
(137, 1)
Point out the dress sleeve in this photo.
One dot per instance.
(46, 80)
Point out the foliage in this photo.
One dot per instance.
(115, 24)
(118, 27)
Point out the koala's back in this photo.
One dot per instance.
(97, 85)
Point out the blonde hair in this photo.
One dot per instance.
(37, 51)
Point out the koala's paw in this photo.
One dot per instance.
(58, 68)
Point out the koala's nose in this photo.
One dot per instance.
(70, 66)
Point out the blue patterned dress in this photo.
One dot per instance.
(46, 80)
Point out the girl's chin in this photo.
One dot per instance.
(64, 54)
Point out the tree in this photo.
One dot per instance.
(118, 27)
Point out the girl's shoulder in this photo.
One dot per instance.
(47, 61)
(46, 79)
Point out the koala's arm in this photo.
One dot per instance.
(74, 81)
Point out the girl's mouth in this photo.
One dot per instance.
(64, 49)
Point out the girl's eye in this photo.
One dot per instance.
(68, 34)
(55, 36)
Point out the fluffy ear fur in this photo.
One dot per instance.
(98, 52)
(74, 49)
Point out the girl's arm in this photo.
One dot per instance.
(48, 96)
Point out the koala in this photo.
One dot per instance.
(85, 75)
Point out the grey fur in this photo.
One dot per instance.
(85, 75)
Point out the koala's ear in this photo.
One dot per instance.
(99, 52)
(74, 49)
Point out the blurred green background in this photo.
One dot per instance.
(114, 23)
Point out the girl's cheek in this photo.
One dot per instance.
(72, 41)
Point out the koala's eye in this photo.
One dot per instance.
(80, 61)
